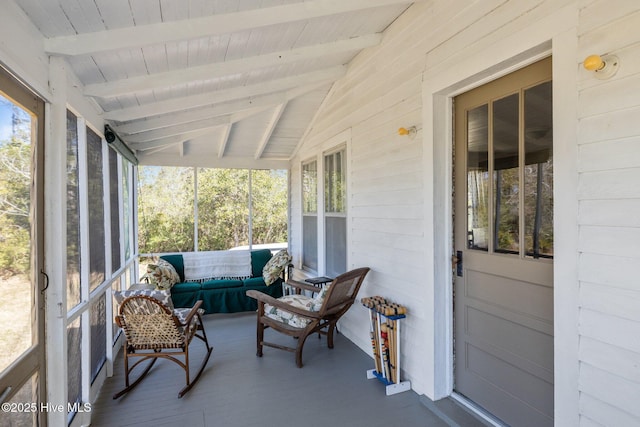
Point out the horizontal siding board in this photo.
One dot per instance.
(389, 197)
(609, 300)
(405, 227)
(609, 155)
(612, 36)
(611, 270)
(618, 212)
(611, 125)
(598, 413)
(600, 13)
(623, 91)
(616, 391)
(610, 240)
(611, 184)
(609, 329)
(615, 360)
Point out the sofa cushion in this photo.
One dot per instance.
(259, 259)
(254, 282)
(184, 287)
(221, 284)
(273, 268)
(162, 295)
(177, 262)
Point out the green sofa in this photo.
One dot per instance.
(223, 295)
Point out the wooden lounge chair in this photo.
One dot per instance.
(153, 331)
(300, 316)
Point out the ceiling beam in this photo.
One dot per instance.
(269, 130)
(182, 129)
(220, 69)
(207, 26)
(215, 97)
(177, 139)
(224, 140)
(192, 126)
(257, 104)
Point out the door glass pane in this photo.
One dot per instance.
(506, 175)
(478, 178)
(17, 302)
(73, 214)
(96, 209)
(538, 173)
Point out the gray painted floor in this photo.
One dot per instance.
(239, 389)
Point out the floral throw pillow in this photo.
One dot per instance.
(273, 268)
(162, 274)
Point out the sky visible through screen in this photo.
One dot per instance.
(6, 111)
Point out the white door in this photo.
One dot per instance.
(503, 300)
(22, 376)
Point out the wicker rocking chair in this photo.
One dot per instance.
(153, 331)
(300, 316)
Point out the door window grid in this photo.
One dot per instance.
(510, 140)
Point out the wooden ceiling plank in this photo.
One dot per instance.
(165, 32)
(211, 71)
(209, 98)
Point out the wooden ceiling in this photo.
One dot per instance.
(216, 83)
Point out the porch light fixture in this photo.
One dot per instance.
(410, 132)
(604, 67)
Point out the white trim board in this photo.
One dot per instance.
(556, 34)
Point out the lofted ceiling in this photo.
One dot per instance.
(218, 83)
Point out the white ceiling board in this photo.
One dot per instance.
(210, 82)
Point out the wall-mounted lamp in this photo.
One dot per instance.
(604, 66)
(411, 132)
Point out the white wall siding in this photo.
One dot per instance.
(398, 185)
(609, 217)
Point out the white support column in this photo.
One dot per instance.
(55, 191)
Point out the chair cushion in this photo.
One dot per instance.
(299, 301)
(163, 275)
(273, 268)
(182, 313)
(162, 295)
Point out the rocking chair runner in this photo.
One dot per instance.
(299, 316)
(153, 331)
